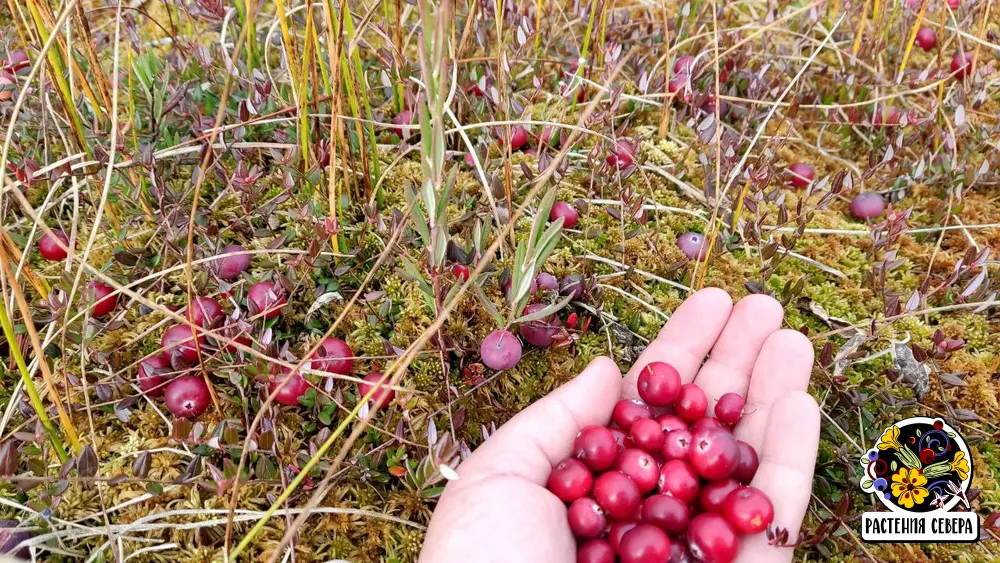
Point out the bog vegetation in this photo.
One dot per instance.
(272, 269)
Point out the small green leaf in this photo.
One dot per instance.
(893, 465)
(867, 484)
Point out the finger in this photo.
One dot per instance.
(686, 338)
(732, 358)
(786, 472)
(542, 435)
(783, 366)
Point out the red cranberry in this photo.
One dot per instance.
(186, 396)
(693, 245)
(267, 299)
(230, 267)
(729, 409)
(568, 213)
(621, 155)
(617, 494)
(204, 312)
(586, 519)
(679, 479)
(954, 4)
(684, 64)
(103, 297)
(711, 538)
(621, 439)
(926, 38)
(627, 411)
(670, 422)
(290, 393)
(867, 206)
(617, 531)
(748, 510)
(547, 282)
(677, 444)
(596, 447)
(50, 249)
(179, 339)
(570, 479)
(961, 65)
(382, 395)
(572, 285)
(333, 356)
(7, 84)
(708, 423)
(518, 137)
(644, 544)
(474, 89)
(747, 467)
(151, 378)
(680, 86)
(595, 551)
(714, 453)
(801, 174)
(641, 467)
(714, 494)
(500, 350)
(402, 120)
(667, 513)
(659, 384)
(540, 332)
(691, 402)
(646, 434)
(460, 271)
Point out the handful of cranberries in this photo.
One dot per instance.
(673, 487)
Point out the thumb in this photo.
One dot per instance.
(531, 443)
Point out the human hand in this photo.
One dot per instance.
(500, 510)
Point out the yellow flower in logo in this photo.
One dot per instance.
(960, 465)
(890, 440)
(908, 486)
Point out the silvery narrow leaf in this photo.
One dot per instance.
(324, 299)
(432, 433)
(547, 311)
(960, 115)
(448, 473)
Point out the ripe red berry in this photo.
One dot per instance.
(644, 544)
(596, 447)
(617, 531)
(659, 384)
(693, 245)
(677, 444)
(267, 299)
(714, 453)
(460, 271)
(586, 519)
(667, 513)
(926, 38)
(539, 332)
(179, 340)
(954, 4)
(961, 65)
(186, 396)
(714, 494)
(684, 64)
(334, 356)
(627, 411)
(617, 494)
(711, 538)
(103, 297)
(151, 374)
(621, 155)
(747, 467)
(641, 467)
(801, 174)
(867, 206)
(647, 435)
(570, 479)
(708, 423)
(290, 393)
(518, 137)
(691, 402)
(679, 479)
(204, 312)
(50, 249)
(748, 510)
(500, 350)
(670, 422)
(382, 395)
(546, 281)
(729, 408)
(568, 213)
(595, 551)
(230, 267)
(402, 120)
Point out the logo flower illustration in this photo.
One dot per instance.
(908, 486)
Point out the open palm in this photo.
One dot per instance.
(499, 509)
